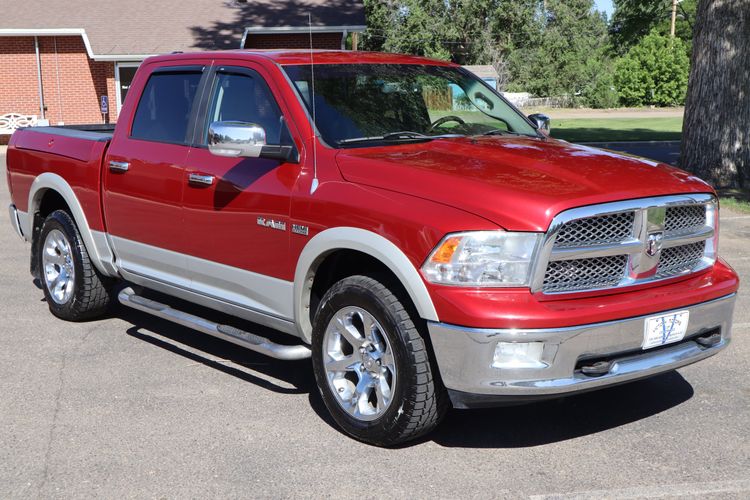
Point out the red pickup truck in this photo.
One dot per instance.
(424, 242)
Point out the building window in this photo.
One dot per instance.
(124, 73)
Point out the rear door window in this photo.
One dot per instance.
(163, 112)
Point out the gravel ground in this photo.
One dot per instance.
(131, 406)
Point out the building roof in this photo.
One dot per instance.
(137, 28)
(483, 71)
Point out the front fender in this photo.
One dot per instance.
(352, 238)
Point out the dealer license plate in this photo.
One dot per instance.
(665, 329)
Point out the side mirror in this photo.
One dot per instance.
(541, 121)
(242, 139)
(235, 139)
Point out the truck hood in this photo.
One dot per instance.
(518, 183)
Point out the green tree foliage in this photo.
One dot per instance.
(568, 55)
(461, 30)
(552, 47)
(634, 19)
(654, 72)
(602, 94)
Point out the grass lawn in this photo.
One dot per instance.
(650, 128)
(735, 199)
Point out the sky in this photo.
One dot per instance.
(605, 5)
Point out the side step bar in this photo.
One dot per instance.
(129, 298)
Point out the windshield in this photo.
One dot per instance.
(356, 104)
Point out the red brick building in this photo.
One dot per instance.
(58, 58)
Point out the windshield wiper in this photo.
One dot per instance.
(405, 134)
(500, 131)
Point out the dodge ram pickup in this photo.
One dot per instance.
(415, 235)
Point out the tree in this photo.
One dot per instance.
(715, 138)
(463, 31)
(634, 19)
(568, 56)
(654, 72)
(546, 47)
(416, 27)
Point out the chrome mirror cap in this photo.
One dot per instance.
(541, 122)
(236, 139)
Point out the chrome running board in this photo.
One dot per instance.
(262, 345)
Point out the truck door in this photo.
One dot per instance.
(144, 175)
(237, 209)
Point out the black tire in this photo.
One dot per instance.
(91, 292)
(418, 401)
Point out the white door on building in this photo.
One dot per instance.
(124, 73)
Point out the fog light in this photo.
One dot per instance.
(519, 355)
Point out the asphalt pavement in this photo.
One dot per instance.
(131, 406)
(664, 151)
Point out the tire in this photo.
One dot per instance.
(81, 292)
(396, 397)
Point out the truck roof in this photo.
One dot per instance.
(302, 56)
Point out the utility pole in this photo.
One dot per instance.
(674, 17)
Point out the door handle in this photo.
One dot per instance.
(206, 180)
(119, 166)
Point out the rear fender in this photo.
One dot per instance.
(96, 243)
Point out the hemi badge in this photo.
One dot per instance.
(273, 224)
(300, 229)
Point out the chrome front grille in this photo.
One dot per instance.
(677, 260)
(582, 274)
(626, 243)
(599, 230)
(684, 219)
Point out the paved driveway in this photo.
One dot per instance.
(664, 151)
(131, 406)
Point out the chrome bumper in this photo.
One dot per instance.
(465, 355)
(15, 220)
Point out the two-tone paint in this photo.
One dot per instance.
(151, 225)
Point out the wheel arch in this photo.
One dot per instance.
(373, 245)
(96, 243)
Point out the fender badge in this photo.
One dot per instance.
(273, 224)
(300, 229)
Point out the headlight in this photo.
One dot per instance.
(482, 258)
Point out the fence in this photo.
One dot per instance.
(524, 100)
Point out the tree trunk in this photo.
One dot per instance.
(716, 130)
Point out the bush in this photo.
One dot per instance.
(653, 73)
(602, 93)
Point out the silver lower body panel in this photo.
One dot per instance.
(465, 355)
(215, 303)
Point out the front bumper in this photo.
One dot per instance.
(465, 355)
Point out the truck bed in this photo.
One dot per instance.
(92, 132)
(72, 153)
(71, 141)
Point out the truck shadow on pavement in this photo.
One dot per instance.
(293, 377)
(527, 425)
(555, 420)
